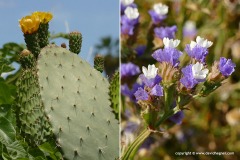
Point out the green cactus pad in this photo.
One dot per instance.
(114, 93)
(75, 96)
(31, 120)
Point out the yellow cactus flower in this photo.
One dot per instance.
(44, 17)
(29, 24)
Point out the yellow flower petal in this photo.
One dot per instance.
(29, 24)
(44, 17)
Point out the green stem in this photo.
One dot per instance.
(165, 117)
(133, 148)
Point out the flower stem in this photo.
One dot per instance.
(133, 148)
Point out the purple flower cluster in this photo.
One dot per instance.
(165, 32)
(155, 89)
(158, 13)
(188, 80)
(129, 69)
(226, 66)
(156, 18)
(126, 91)
(129, 20)
(170, 55)
(198, 52)
(199, 49)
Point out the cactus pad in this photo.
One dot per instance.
(114, 93)
(75, 96)
(31, 120)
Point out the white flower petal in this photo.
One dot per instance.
(127, 2)
(131, 13)
(160, 9)
(151, 72)
(203, 42)
(192, 44)
(198, 71)
(170, 43)
(144, 70)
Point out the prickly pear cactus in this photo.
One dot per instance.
(31, 119)
(75, 97)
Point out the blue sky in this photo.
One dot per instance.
(93, 18)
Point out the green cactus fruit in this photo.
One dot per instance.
(43, 34)
(32, 123)
(32, 43)
(75, 42)
(27, 59)
(99, 63)
(75, 97)
(114, 93)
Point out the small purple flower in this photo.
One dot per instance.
(168, 32)
(140, 50)
(198, 49)
(226, 66)
(177, 117)
(124, 6)
(170, 55)
(189, 29)
(129, 69)
(150, 82)
(198, 52)
(141, 94)
(188, 80)
(158, 13)
(127, 29)
(157, 90)
(130, 92)
(129, 20)
(156, 18)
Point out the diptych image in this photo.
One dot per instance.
(120, 80)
